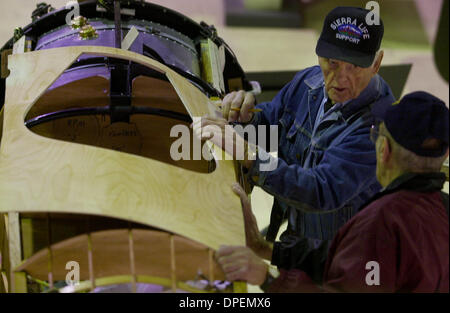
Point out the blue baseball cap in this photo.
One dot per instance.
(346, 36)
(418, 116)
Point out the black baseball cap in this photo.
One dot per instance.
(346, 36)
(418, 116)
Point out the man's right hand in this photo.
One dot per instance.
(253, 237)
(243, 100)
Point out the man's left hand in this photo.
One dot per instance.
(253, 237)
(241, 263)
(214, 129)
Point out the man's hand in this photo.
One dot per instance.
(241, 263)
(223, 135)
(212, 128)
(253, 237)
(238, 100)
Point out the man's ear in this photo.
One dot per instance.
(377, 64)
(385, 150)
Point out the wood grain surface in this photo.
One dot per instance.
(39, 174)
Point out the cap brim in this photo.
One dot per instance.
(327, 50)
(380, 108)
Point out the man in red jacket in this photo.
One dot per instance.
(400, 241)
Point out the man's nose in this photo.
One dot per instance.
(342, 72)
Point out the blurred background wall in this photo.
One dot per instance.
(410, 31)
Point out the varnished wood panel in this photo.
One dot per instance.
(39, 174)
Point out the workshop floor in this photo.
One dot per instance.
(408, 35)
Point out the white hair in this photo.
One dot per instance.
(408, 161)
(375, 59)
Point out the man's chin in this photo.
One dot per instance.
(336, 99)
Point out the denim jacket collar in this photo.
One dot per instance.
(315, 81)
(367, 96)
(315, 93)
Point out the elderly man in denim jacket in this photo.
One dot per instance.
(325, 170)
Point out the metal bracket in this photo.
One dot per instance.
(120, 90)
(41, 9)
(104, 7)
(18, 33)
(209, 31)
(118, 23)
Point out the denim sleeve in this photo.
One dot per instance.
(288, 95)
(344, 170)
(271, 111)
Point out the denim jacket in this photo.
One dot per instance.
(325, 171)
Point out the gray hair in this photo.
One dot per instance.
(408, 161)
(377, 55)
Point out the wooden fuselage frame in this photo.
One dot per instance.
(39, 174)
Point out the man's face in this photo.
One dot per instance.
(380, 172)
(345, 81)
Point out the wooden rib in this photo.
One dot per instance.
(91, 262)
(5, 282)
(50, 254)
(132, 260)
(172, 264)
(3, 245)
(50, 268)
(1, 123)
(14, 246)
(151, 250)
(211, 266)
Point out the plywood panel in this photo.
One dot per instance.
(38, 174)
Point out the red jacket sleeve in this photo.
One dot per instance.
(362, 257)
